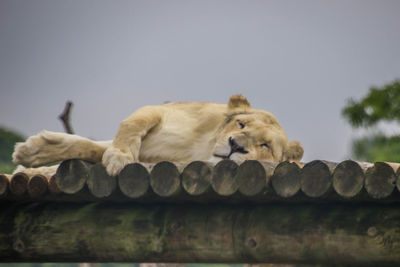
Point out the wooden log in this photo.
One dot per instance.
(37, 185)
(315, 178)
(4, 184)
(165, 179)
(101, 184)
(348, 179)
(71, 175)
(223, 179)
(268, 190)
(133, 180)
(286, 179)
(380, 180)
(251, 178)
(394, 165)
(53, 187)
(346, 235)
(196, 178)
(398, 179)
(19, 183)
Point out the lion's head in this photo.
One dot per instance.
(253, 134)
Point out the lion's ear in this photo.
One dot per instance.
(294, 151)
(238, 102)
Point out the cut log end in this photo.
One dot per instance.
(315, 179)
(380, 180)
(348, 179)
(398, 179)
(165, 179)
(196, 178)
(99, 182)
(223, 179)
(286, 179)
(251, 178)
(133, 180)
(4, 184)
(19, 183)
(37, 186)
(71, 175)
(53, 187)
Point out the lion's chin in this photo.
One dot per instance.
(238, 157)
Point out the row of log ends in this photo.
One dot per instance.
(20, 184)
(348, 180)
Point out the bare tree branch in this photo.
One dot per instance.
(64, 117)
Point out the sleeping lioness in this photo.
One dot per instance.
(178, 132)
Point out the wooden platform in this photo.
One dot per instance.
(255, 212)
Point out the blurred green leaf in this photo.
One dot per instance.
(379, 105)
(8, 139)
(377, 148)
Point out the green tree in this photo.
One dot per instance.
(7, 141)
(379, 105)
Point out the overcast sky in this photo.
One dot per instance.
(300, 60)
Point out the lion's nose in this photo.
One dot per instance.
(235, 147)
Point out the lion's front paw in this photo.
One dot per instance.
(115, 160)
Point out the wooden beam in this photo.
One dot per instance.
(285, 233)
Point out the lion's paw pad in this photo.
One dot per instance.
(115, 160)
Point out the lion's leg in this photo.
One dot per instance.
(48, 147)
(46, 171)
(126, 145)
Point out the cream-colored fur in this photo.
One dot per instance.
(179, 132)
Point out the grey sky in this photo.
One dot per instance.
(300, 60)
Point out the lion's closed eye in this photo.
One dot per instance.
(241, 125)
(266, 146)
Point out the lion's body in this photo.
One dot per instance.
(184, 132)
(179, 132)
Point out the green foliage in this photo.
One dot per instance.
(377, 148)
(381, 104)
(7, 141)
